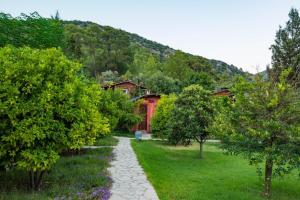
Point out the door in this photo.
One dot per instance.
(143, 113)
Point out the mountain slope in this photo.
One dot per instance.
(164, 51)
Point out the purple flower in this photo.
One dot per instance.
(102, 193)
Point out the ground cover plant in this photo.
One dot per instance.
(77, 176)
(177, 173)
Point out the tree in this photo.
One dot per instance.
(286, 50)
(99, 48)
(200, 78)
(263, 124)
(161, 84)
(176, 66)
(108, 77)
(160, 122)
(31, 30)
(144, 61)
(75, 39)
(46, 107)
(117, 54)
(191, 116)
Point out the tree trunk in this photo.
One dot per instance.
(201, 149)
(39, 180)
(268, 177)
(35, 179)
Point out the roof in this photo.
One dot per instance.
(223, 91)
(122, 82)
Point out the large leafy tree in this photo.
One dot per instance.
(191, 116)
(31, 30)
(263, 124)
(286, 50)
(45, 108)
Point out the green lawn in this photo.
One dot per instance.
(178, 173)
(81, 176)
(106, 141)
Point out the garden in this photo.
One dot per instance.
(57, 121)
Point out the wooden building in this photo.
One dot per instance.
(148, 101)
(146, 110)
(128, 87)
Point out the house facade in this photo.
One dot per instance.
(146, 109)
(148, 102)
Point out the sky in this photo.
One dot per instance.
(239, 32)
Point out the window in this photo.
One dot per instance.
(125, 91)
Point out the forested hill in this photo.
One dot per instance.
(164, 51)
(110, 55)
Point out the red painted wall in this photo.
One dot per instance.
(151, 103)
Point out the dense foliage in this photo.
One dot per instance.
(102, 48)
(286, 51)
(45, 107)
(117, 107)
(191, 116)
(99, 48)
(160, 122)
(263, 124)
(31, 30)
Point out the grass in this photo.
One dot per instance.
(123, 134)
(108, 140)
(81, 176)
(178, 173)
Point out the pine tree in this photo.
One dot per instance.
(286, 50)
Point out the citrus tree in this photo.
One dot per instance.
(263, 124)
(191, 116)
(45, 107)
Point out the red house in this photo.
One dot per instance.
(146, 109)
(148, 101)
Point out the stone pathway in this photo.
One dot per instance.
(129, 179)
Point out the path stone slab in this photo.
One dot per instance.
(129, 179)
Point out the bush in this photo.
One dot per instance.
(118, 108)
(45, 107)
(160, 122)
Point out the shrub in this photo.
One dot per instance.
(119, 109)
(160, 122)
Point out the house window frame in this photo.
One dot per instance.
(125, 90)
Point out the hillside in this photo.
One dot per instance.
(164, 51)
